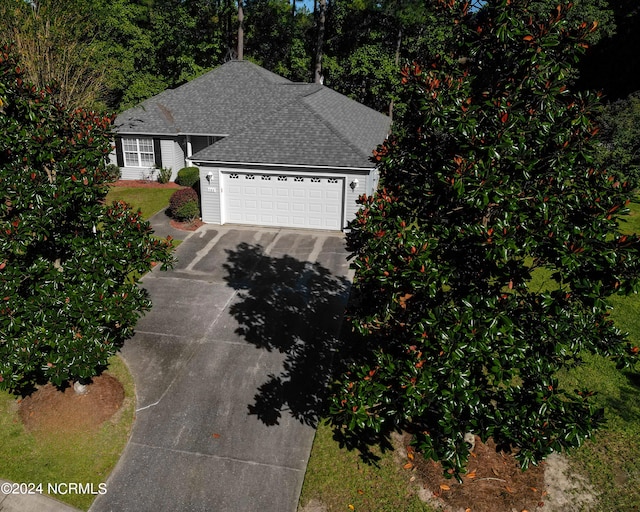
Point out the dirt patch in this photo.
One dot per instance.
(49, 409)
(144, 184)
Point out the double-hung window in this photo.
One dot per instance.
(138, 152)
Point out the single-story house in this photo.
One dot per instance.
(271, 152)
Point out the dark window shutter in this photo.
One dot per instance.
(157, 152)
(119, 152)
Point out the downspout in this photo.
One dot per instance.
(189, 151)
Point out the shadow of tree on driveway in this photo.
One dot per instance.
(296, 308)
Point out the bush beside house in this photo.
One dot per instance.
(188, 176)
(184, 205)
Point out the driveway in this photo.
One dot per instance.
(229, 368)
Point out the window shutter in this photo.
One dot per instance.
(119, 152)
(157, 152)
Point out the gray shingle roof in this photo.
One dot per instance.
(265, 119)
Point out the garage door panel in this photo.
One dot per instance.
(287, 201)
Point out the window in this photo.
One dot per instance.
(138, 152)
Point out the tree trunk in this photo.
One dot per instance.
(240, 30)
(320, 42)
(397, 61)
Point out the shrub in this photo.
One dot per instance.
(164, 174)
(184, 204)
(113, 172)
(188, 176)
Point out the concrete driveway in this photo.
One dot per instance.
(229, 367)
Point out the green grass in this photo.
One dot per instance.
(148, 200)
(338, 478)
(58, 457)
(630, 224)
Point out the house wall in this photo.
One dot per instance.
(210, 195)
(198, 143)
(366, 182)
(170, 153)
(172, 156)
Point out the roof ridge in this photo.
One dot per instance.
(344, 137)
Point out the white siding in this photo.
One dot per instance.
(172, 156)
(364, 185)
(210, 195)
(138, 173)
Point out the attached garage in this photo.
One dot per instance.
(286, 200)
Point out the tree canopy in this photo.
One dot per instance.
(484, 261)
(68, 262)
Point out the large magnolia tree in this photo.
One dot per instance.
(68, 262)
(484, 262)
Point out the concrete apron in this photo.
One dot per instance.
(225, 388)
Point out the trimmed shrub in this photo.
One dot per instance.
(184, 205)
(164, 174)
(114, 173)
(188, 176)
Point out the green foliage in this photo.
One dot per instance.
(68, 303)
(188, 176)
(368, 41)
(164, 174)
(184, 205)
(487, 180)
(113, 172)
(619, 150)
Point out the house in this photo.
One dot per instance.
(271, 152)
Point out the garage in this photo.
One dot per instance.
(286, 200)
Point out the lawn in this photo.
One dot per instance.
(148, 200)
(58, 457)
(610, 460)
(340, 480)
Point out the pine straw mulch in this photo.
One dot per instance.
(494, 481)
(51, 409)
(144, 184)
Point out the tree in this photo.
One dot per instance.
(68, 262)
(610, 65)
(484, 261)
(56, 41)
(367, 41)
(321, 17)
(277, 37)
(620, 138)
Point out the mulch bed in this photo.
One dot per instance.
(494, 481)
(50, 409)
(186, 226)
(145, 184)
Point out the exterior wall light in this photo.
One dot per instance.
(354, 184)
(209, 177)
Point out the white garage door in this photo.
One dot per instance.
(282, 200)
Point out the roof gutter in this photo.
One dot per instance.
(198, 161)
